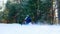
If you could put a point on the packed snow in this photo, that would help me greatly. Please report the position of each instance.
(29, 29)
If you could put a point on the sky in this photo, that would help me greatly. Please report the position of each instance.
(3, 0)
(29, 29)
(1, 4)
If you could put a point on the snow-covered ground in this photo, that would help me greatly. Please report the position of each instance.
(29, 29)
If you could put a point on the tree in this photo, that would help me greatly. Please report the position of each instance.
(58, 7)
(37, 9)
(45, 10)
(40, 9)
(13, 9)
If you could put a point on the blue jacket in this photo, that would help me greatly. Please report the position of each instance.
(28, 20)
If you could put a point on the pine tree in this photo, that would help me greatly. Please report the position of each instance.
(40, 9)
(37, 9)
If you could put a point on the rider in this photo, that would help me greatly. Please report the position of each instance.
(27, 19)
